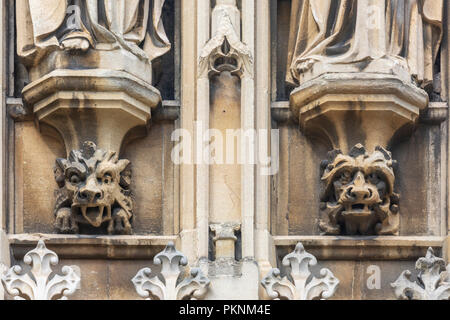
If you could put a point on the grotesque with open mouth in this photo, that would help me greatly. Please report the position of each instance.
(93, 190)
(358, 193)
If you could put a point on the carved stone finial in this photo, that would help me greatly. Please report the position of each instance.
(225, 238)
(165, 285)
(93, 189)
(37, 284)
(299, 285)
(225, 51)
(433, 281)
(358, 193)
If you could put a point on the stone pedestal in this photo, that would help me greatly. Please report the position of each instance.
(225, 239)
(345, 109)
(100, 102)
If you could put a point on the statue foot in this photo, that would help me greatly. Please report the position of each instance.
(77, 44)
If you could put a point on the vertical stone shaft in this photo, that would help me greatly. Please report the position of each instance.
(4, 244)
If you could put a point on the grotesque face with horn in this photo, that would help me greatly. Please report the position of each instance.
(358, 193)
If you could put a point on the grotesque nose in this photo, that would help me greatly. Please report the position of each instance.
(359, 190)
(90, 192)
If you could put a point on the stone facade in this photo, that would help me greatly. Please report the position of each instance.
(199, 149)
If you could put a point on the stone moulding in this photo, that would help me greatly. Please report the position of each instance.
(168, 285)
(358, 193)
(370, 248)
(433, 280)
(38, 283)
(300, 284)
(122, 247)
(111, 101)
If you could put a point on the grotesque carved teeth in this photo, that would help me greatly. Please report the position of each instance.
(358, 193)
(357, 210)
(94, 214)
(89, 181)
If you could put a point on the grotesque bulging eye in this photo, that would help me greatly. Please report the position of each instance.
(75, 174)
(107, 178)
(74, 179)
(373, 178)
(345, 177)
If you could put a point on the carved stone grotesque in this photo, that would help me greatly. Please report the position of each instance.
(358, 193)
(300, 283)
(40, 282)
(168, 286)
(433, 281)
(94, 189)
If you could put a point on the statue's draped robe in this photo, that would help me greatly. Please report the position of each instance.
(352, 31)
(107, 24)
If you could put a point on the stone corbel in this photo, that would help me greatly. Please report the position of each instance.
(433, 280)
(345, 109)
(40, 283)
(225, 239)
(300, 284)
(165, 286)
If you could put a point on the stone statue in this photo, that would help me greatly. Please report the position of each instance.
(404, 33)
(47, 25)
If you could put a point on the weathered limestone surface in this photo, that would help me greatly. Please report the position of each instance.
(360, 83)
